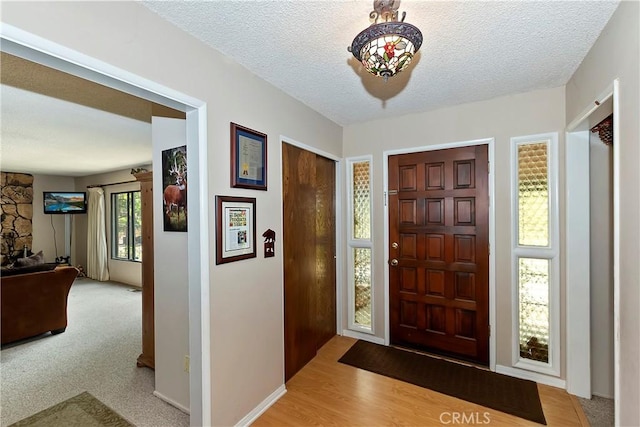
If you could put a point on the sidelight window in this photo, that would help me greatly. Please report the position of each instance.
(126, 226)
(535, 253)
(360, 293)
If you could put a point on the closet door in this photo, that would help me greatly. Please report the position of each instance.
(309, 255)
(325, 294)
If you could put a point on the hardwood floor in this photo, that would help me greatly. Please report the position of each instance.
(326, 392)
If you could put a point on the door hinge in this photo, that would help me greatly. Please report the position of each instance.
(489, 330)
(489, 168)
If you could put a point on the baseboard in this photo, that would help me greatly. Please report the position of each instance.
(362, 336)
(171, 402)
(604, 396)
(533, 376)
(263, 406)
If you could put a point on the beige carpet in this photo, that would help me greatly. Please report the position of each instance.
(599, 411)
(82, 410)
(97, 354)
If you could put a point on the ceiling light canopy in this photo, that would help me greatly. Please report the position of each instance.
(388, 45)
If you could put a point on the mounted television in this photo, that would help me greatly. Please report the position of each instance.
(65, 202)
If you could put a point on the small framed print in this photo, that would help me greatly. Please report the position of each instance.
(174, 184)
(235, 228)
(248, 158)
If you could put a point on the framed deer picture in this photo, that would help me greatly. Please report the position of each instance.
(248, 158)
(174, 188)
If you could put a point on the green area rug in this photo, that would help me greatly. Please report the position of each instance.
(83, 410)
(507, 394)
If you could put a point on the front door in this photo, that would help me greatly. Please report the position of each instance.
(439, 250)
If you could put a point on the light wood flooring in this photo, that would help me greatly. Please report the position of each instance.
(326, 393)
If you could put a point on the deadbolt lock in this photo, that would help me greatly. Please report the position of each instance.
(394, 245)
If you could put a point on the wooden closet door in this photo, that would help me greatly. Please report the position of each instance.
(325, 250)
(309, 255)
(299, 257)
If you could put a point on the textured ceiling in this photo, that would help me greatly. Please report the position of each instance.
(45, 135)
(57, 124)
(53, 123)
(472, 50)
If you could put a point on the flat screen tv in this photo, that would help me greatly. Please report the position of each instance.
(65, 202)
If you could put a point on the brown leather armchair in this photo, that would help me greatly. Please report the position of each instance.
(35, 303)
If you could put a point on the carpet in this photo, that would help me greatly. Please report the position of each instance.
(598, 410)
(504, 393)
(83, 410)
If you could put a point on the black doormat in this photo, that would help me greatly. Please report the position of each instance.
(504, 393)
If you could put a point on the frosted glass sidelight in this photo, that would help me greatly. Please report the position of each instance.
(533, 195)
(533, 292)
(361, 201)
(362, 281)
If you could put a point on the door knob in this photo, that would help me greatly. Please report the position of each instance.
(393, 262)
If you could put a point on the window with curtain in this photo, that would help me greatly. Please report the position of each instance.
(97, 252)
(126, 226)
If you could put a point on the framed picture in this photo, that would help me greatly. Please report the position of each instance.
(248, 158)
(174, 188)
(235, 228)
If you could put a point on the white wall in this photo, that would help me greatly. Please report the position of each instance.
(245, 297)
(45, 227)
(128, 272)
(500, 118)
(601, 267)
(171, 277)
(616, 54)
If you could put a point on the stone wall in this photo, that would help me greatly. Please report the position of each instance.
(16, 207)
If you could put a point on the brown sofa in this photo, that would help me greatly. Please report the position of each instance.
(35, 303)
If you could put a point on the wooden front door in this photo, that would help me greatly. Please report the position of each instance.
(309, 255)
(439, 251)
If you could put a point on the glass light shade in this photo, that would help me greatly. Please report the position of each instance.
(388, 48)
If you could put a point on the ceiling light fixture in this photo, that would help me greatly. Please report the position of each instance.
(388, 45)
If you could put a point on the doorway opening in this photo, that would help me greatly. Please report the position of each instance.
(593, 294)
(28, 46)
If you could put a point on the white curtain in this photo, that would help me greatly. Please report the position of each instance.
(97, 256)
